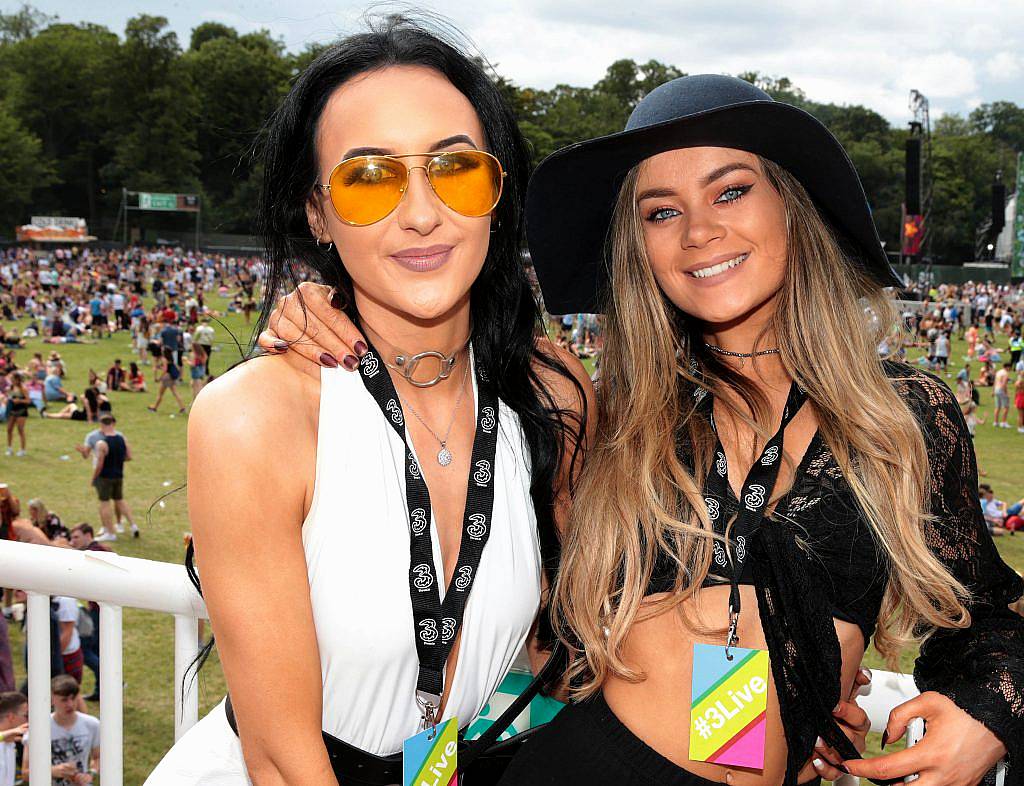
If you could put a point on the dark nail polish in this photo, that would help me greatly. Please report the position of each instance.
(350, 362)
(843, 768)
(280, 346)
(327, 359)
(359, 348)
(336, 300)
(885, 739)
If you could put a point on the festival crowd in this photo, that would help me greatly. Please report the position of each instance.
(158, 298)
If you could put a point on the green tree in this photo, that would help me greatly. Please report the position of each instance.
(238, 82)
(23, 169)
(209, 31)
(59, 84)
(23, 24)
(154, 137)
(1003, 120)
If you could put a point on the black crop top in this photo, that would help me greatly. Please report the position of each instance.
(821, 505)
(816, 558)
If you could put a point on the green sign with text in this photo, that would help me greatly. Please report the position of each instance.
(149, 201)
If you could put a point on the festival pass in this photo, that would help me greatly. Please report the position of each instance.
(729, 701)
(430, 758)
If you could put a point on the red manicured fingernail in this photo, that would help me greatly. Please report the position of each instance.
(885, 739)
(328, 360)
(350, 362)
(359, 348)
(280, 346)
(336, 301)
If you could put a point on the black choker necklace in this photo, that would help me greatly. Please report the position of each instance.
(741, 355)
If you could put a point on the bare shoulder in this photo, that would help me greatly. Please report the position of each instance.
(255, 403)
(563, 390)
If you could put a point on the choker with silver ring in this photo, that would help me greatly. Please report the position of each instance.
(406, 364)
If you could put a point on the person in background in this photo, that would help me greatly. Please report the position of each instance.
(1018, 400)
(53, 387)
(74, 737)
(198, 362)
(13, 726)
(169, 373)
(115, 376)
(17, 413)
(112, 452)
(942, 352)
(204, 336)
(171, 338)
(136, 381)
(83, 539)
(995, 510)
(46, 521)
(1001, 397)
(70, 641)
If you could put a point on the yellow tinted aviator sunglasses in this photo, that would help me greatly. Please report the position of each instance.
(366, 189)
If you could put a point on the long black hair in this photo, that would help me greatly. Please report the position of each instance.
(505, 315)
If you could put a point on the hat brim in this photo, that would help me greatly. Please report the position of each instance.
(572, 193)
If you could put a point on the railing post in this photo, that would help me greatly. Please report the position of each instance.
(111, 696)
(186, 648)
(37, 609)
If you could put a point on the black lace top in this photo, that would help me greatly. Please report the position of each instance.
(819, 560)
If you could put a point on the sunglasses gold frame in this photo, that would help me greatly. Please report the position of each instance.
(408, 175)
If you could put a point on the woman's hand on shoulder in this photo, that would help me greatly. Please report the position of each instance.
(321, 333)
(956, 749)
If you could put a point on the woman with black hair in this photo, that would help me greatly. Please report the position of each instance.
(394, 173)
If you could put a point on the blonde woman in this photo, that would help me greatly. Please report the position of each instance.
(759, 480)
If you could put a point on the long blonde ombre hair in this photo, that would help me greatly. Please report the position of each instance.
(635, 496)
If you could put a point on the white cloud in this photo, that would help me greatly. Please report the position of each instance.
(1004, 66)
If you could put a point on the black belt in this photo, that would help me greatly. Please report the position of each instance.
(482, 762)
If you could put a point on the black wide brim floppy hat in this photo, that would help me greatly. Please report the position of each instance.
(573, 192)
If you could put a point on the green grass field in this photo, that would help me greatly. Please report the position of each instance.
(158, 444)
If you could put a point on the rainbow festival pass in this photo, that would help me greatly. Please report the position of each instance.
(729, 700)
(430, 758)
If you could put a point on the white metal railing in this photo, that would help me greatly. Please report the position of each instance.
(116, 582)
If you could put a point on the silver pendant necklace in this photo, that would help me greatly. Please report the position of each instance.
(444, 455)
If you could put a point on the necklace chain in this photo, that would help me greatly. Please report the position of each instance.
(732, 354)
(444, 455)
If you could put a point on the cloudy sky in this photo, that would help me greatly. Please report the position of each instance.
(959, 53)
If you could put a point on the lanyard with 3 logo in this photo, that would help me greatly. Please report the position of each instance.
(754, 496)
(436, 622)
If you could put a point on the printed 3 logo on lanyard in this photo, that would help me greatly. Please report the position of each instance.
(430, 757)
(729, 689)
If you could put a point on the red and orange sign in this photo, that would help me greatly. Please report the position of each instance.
(54, 228)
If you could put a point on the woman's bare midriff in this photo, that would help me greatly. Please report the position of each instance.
(657, 709)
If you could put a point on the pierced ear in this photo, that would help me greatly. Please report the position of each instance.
(315, 219)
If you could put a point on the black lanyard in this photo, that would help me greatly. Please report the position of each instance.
(754, 495)
(435, 623)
